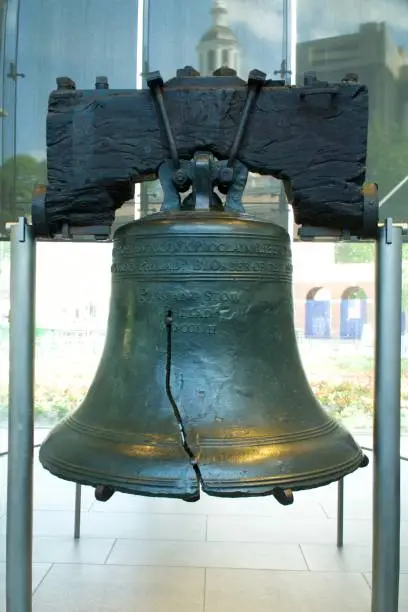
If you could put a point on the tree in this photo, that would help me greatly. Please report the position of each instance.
(18, 177)
(355, 252)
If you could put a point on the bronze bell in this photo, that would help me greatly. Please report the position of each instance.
(200, 384)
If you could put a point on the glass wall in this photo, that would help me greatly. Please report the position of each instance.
(42, 40)
(368, 38)
(334, 284)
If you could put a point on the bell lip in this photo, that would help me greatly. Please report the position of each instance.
(191, 216)
(189, 491)
(298, 482)
(193, 493)
(190, 488)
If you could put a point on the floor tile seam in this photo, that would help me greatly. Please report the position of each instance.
(42, 579)
(95, 538)
(110, 551)
(348, 572)
(86, 536)
(128, 513)
(205, 590)
(201, 541)
(227, 515)
(366, 581)
(233, 542)
(324, 511)
(277, 571)
(70, 537)
(304, 557)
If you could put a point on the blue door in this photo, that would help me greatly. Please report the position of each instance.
(317, 324)
(353, 317)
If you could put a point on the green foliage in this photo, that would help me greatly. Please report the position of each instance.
(51, 403)
(354, 252)
(345, 397)
(18, 177)
(360, 252)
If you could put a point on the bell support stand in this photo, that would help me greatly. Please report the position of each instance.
(387, 421)
(21, 411)
(386, 487)
(21, 416)
(386, 465)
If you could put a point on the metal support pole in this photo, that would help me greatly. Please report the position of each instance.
(340, 513)
(386, 502)
(77, 528)
(21, 408)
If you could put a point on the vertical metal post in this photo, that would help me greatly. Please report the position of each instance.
(21, 408)
(340, 513)
(77, 528)
(386, 502)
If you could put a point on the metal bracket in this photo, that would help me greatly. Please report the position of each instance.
(388, 230)
(22, 229)
(204, 173)
(256, 80)
(228, 176)
(97, 232)
(308, 233)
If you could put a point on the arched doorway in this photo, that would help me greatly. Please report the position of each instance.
(318, 313)
(353, 313)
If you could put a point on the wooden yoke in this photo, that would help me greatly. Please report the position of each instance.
(100, 142)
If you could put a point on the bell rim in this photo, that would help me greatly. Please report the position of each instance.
(155, 487)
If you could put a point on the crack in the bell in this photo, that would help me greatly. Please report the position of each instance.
(177, 413)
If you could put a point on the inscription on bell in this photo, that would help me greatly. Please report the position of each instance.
(166, 246)
(194, 328)
(143, 295)
(194, 264)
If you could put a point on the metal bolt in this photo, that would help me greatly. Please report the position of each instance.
(65, 83)
(101, 82)
(225, 71)
(154, 80)
(181, 180)
(226, 175)
(187, 71)
(309, 78)
(256, 78)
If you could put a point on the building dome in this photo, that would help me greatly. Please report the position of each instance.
(220, 33)
(218, 47)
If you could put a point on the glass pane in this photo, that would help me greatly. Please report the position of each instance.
(81, 39)
(334, 294)
(4, 370)
(367, 38)
(70, 323)
(4, 338)
(243, 34)
(9, 79)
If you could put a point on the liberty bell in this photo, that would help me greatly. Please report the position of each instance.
(200, 385)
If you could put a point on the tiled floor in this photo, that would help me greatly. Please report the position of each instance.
(145, 555)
